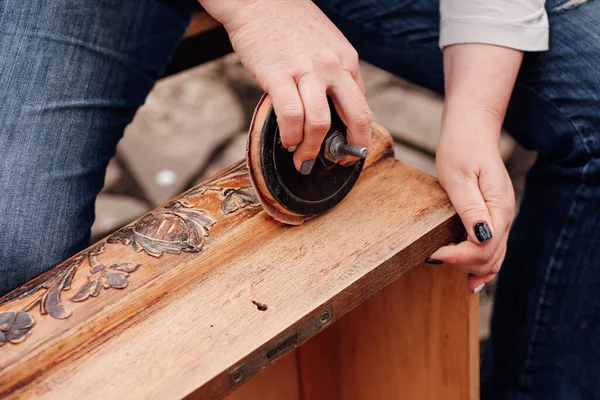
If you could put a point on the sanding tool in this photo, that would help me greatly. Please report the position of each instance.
(286, 194)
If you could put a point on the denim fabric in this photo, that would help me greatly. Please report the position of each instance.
(72, 75)
(545, 341)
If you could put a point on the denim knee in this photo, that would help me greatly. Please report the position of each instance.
(73, 76)
(39, 228)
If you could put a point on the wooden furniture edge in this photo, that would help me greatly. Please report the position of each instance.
(232, 187)
(383, 350)
(386, 350)
(447, 231)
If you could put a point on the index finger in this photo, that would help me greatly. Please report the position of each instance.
(352, 107)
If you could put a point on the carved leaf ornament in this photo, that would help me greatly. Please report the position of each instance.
(178, 227)
(237, 199)
(168, 231)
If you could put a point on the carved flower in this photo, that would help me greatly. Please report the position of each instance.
(14, 326)
(103, 277)
(171, 231)
(237, 199)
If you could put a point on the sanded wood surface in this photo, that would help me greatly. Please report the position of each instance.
(168, 305)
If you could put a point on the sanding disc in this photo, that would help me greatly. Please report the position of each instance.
(286, 194)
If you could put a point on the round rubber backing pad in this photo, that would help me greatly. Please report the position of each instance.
(286, 194)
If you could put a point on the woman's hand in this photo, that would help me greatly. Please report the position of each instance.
(479, 80)
(471, 171)
(299, 57)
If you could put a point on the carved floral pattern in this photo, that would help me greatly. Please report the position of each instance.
(234, 199)
(171, 230)
(14, 326)
(237, 199)
(103, 277)
(178, 227)
(51, 285)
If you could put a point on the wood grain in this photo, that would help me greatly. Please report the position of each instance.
(184, 322)
(277, 382)
(415, 339)
(319, 369)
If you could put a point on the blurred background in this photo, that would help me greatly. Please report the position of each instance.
(194, 124)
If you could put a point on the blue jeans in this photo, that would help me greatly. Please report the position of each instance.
(545, 341)
(72, 75)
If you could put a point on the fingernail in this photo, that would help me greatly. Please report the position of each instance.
(482, 231)
(433, 261)
(307, 167)
(351, 163)
(293, 148)
(478, 288)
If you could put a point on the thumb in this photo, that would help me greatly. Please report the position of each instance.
(468, 202)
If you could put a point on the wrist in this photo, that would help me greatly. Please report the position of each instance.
(227, 12)
(465, 118)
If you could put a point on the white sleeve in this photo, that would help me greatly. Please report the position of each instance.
(518, 24)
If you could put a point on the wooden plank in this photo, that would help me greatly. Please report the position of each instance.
(187, 321)
(385, 349)
(379, 350)
(201, 22)
(277, 382)
(319, 369)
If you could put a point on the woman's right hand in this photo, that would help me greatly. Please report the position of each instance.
(299, 57)
(473, 175)
(479, 79)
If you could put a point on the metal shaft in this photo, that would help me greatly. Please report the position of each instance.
(353, 150)
(336, 148)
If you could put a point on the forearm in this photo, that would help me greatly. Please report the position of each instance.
(483, 43)
(479, 80)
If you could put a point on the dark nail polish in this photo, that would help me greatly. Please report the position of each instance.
(348, 165)
(307, 167)
(433, 261)
(482, 231)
